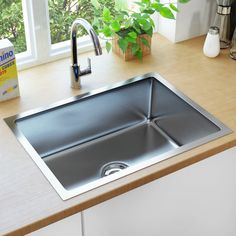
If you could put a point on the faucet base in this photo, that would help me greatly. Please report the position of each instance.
(74, 82)
(75, 85)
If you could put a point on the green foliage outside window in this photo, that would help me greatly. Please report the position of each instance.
(11, 23)
(61, 12)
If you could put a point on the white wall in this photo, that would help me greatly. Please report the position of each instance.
(193, 19)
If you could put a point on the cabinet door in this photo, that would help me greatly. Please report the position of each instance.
(199, 200)
(70, 226)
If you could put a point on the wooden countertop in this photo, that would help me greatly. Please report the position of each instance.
(27, 200)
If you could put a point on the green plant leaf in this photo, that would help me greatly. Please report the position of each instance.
(108, 46)
(124, 13)
(184, 1)
(173, 7)
(107, 31)
(157, 6)
(145, 42)
(167, 13)
(134, 48)
(149, 32)
(128, 23)
(106, 15)
(130, 40)
(146, 16)
(123, 44)
(146, 1)
(149, 11)
(115, 25)
(152, 22)
(132, 34)
(137, 28)
(145, 25)
(139, 54)
(136, 15)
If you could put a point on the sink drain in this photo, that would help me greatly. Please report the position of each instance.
(113, 167)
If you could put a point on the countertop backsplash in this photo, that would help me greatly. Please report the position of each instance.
(193, 20)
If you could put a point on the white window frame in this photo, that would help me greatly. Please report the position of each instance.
(38, 38)
(29, 55)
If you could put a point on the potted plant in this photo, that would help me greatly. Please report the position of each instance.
(131, 30)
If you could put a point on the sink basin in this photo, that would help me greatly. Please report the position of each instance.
(89, 140)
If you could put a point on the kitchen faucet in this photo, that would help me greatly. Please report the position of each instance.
(76, 72)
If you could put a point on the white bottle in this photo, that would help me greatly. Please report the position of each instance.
(211, 46)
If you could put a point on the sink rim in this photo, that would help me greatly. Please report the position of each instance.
(154, 159)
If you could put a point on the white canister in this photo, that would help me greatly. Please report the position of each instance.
(211, 46)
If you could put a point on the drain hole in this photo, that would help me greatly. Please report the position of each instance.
(113, 167)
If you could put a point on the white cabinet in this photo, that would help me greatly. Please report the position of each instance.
(199, 200)
(70, 226)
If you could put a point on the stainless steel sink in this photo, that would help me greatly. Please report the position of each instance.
(89, 140)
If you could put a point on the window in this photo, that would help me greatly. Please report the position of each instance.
(12, 24)
(40, 29)
(63, 13)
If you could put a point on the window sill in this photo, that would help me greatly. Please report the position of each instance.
(58, 51)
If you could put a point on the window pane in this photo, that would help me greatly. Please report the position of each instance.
(62, 13)
(12, 23)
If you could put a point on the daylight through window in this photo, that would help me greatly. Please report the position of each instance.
(12, 24)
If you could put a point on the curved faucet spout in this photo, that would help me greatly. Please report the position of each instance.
(76, 72)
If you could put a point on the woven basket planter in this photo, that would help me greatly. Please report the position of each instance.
(127, 56)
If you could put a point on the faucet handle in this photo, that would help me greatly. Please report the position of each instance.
(76, 72)
(88, 70)
(89, 63)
